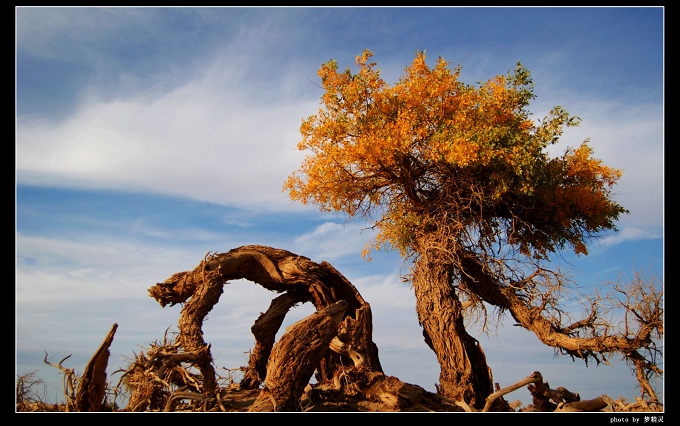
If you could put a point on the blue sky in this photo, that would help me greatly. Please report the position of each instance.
(147, 137)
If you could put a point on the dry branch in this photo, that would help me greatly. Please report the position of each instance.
(535, 377)
(595, 404)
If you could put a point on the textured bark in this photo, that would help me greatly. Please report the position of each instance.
(546, 399)
(294, 359)
(464, 374)
(92, 389)
(335, 342)
(264, 330)
(300, 279)
(191, 328)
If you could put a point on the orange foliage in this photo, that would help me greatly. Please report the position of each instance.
(431, 143)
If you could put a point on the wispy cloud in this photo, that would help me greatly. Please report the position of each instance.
(192, 142)
(330, 241)
(632, 234)
(51, 269)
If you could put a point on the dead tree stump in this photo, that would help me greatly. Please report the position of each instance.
(92, 389)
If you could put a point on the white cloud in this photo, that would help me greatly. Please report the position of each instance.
(51, 270)
(630, 138)
(223, 129)
(331, 241)
(631, 234)
(206, 140)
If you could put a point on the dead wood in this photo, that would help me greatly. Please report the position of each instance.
(264, 330)
(178, 396)
(399, 396)
(159, 375)
(566, 395)
(277, 270)
(92, 389)
(190, 326)
(561, 399)
(535, 377)
(334, 344)
(359, 389)
(595, 404)
(70, 381)
(295, 356)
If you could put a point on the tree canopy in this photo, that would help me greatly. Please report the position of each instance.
(432, 150)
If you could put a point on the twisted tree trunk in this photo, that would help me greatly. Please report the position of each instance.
(464, 375)
(283, 272)
(264, 330)
(295, 356)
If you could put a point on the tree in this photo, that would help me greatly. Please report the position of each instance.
(458, 179)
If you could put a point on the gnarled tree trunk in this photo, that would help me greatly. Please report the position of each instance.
(264, 330)
(464, 374)
(284, 272)
(295, 356)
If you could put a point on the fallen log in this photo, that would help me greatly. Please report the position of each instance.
(595, 404)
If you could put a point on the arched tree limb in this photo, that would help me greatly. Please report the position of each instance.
(280, 271)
